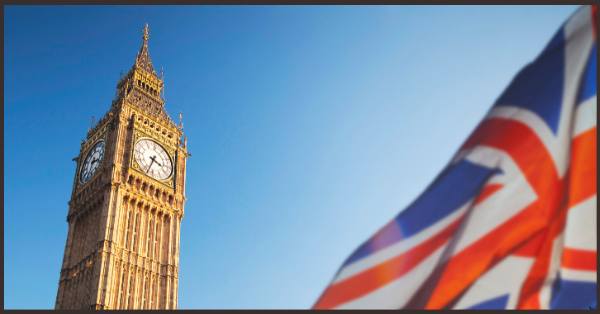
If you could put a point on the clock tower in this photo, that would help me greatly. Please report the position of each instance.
(125, 212)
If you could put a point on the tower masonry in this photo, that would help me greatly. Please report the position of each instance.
(122, 249)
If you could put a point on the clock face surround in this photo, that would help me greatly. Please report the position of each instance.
(153, 159)
(92, 162)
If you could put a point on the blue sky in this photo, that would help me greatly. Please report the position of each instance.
(310, 128)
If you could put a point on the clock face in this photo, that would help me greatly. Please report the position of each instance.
(153, 159)
(92, 162)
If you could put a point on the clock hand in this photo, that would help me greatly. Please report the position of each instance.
(150, 165)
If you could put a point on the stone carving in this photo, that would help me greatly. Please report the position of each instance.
(100, 224)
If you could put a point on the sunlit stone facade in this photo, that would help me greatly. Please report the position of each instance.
(125, 212)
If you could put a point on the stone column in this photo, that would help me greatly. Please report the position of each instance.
(168, 292)
(170, 239)
(157, 293)
(178, 240)
(65, 266)
(150, 290)
(101, 272)
(137, 290)
(161, 242)
(143, 224)
(175, 288)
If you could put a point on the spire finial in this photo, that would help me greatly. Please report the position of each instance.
(91, 120)
(146, 32)
(180, 116)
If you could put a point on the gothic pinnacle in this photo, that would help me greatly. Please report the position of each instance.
(146, 32)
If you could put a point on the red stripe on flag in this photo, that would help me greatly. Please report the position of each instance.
(536, 164)
(582, 185)
(532, 247)
(384, 273)
(487, 192)
(579, 259)
(583, 182)
(529, 297)
(594, 18)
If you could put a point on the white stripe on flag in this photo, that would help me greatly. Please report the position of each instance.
(395, 294)
(534, 122)
(578, 275)
(546, 290)
(579, 39)
(585, 116)
(499, 207)
(400, 247)
(506, 277)
(581, 228)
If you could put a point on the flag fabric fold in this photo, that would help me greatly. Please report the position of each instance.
(511, 221)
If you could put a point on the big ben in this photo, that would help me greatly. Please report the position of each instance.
(122, 248)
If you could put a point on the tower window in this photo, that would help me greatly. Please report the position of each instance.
(144, 292)
(134, 232)
(127, 230)
(129, 292)
(152, 294)
(156, 242)
(150, 233)
(120, 299)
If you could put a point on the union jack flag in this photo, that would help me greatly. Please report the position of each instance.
(511, 221)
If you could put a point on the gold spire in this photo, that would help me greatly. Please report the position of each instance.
(142, 60)
(146, 32)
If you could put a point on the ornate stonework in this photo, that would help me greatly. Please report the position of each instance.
(122, 249)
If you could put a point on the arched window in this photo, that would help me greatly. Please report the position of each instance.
(155, 239)
(130, 284)
(153, 294)
(120, 299)
(145, 288)
(127, 230)
(150, 225)
(134, 233)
